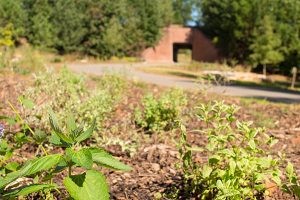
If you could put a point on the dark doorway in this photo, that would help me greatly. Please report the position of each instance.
(183, 49)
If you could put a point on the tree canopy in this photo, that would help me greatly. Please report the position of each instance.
(102, 28)
(255, 31)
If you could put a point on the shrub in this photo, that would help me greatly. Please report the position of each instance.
(235, 164)
(160, 113)
(66, 92)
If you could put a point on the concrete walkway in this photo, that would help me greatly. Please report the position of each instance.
(132, 72)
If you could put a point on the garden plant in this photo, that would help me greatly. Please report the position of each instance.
(39, 173)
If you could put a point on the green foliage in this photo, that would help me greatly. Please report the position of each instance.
(236, 166)
(266, 45)
(66, 92)
(160, 113)
(90, 184)
(103, 28)
(183, 11)
(6, 36)
(245, 27)
(12, 12)
(40, 31)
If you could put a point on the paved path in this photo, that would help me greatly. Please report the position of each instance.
(131, 71)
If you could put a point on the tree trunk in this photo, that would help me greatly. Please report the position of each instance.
(265, 70)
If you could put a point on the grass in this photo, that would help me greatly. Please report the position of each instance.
(273, 81)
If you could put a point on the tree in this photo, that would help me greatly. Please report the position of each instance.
(68, 21)
(266, 45)
(230, 23)
(182, 10)
(12, 12)
(41, 31)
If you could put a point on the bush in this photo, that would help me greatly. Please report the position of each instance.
(162, 113)
(66, 92)
(236, 166)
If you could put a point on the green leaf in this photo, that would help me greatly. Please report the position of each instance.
(289, 169)
(220, 185)
(214, 159)
(88, 133)
(252, 144)
(40, 164)
(12, 166)
(71, 124)
(232, 166)
(55, 139)
(39, 136)
(27, 103)
(10, 177)
(83, 158)
(87, 186)
(28, 189)
(206, 171)
(105, 159)
(64, 139)
(296, 190)
(31, 167)
(53, 122)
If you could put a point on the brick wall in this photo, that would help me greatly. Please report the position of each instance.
(202, 47)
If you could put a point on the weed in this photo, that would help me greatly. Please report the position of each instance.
(66, 92)
(162, 113)
(235, 166)
(90, 184)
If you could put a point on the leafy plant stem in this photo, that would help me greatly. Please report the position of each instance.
(70, 170)
(20, 118)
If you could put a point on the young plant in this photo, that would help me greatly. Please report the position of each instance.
(160, 114)
(235, 164)
(89, 185)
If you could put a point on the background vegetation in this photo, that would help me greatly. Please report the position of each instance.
(100, 28)
(255, 31)
(252, 32)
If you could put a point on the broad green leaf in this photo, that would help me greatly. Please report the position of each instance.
(296, 190)
(10, 178)
(88, 133)
(105, 159)
(53, 122)
(64, 138)
(214, 159)
(206, 171)
(31, 167)
(289, 169)
(39, 136)
(55, 139)
(71, 124)
(28, 189)
(87, 186)
(40, 164)
(12, 166)
(252, 144)
(220, 185)
(232, 166)
(61, 165)
(27, 103)
(83, 158)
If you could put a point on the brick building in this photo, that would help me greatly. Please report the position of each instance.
(178, 37)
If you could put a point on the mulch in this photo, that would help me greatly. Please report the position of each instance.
(154, 162)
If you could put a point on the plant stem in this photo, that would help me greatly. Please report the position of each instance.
(70, 170)
(20, 118)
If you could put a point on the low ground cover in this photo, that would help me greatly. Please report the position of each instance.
(154, 158)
